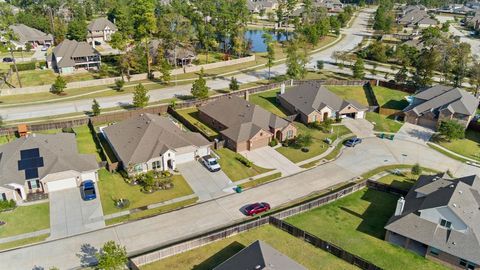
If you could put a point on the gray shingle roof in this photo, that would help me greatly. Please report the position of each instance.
(29, 34)
(146, 136)
(461, 196)
(59, 153)
(441, 97)
(70, 49)
(242, 118)
(259, 256)
(309, 97)
(100, 24)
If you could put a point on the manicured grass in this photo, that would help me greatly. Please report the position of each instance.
(268, 101)
(337, 149)
(191, 115)
(151, 212)
(383, 123)
(393, 167)
(319, 146)
(403, 181)
(356, 93)
(17, 55)
(390, 98)
(234, 169)
(210, 256)
(448, 154)
(261, 180)
(6, 139)
(47, 77)
(112, 186)
(24, 242)
(25, 219)
(356, 224)
(85, 142)
(468, 147)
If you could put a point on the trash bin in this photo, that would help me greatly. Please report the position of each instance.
(238, 189)
(382, 135)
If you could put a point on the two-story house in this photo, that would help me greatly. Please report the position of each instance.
(100, 30)
(440, 218)
(71, 55)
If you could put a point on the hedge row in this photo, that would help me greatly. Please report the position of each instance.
(7, 205)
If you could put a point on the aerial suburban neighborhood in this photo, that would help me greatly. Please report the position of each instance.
(239, 134)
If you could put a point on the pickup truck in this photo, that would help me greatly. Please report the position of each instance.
(211, 163)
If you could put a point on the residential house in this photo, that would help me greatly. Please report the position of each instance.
(243, 125)
(42, 164)
(330, 5)
(152, 142)
(100, 30)
(416, 16)
(71, 55)
(183, 55)
(441, 102)
(259, 256)
(474, 21)
(439, 218)
(257, 6)
(26, 34)
(315, 103)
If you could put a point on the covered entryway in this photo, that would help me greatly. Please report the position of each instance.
(61, 184)
(170, 164)
(278, 135)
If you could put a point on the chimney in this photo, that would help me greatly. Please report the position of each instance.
(246, 95)
(400, 206)
(282, 89)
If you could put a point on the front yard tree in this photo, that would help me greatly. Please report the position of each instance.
(140, 96)
(112, 256)
(144, 24)
(320, 65)
(296, 60)
(199, 87)
(119, 83)
(304, 140)
(451, 130)
(234, 84)
(95, 108)
(416, 169)
(268, 39)
(359, 69)
(59, 85)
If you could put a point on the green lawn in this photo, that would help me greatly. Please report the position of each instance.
(356, 224)
(389, 98)
(234, 169)
(23, 242)
(262, 180)
(25, 219)
(383, 123)
(47, 77)
(295, 154)
(268, 101)
(210, 256)
(468, 147)
(191, 115)
(356, 93)
(403, 181)
(85, 142)
(112, 186)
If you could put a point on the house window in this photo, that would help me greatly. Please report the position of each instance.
(434, 251)
(156, 165)
(3, 197)
(445, 223)
(314, 118)
(289, 134)
(33, 184)
(466, 264)
(138, 168)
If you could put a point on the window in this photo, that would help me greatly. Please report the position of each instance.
(445, 223)
(314, 119)
(156, 165)
(33, 184)
(3, 197)
(138, 168)
(466, 264)
(289, 134)
(434, 251)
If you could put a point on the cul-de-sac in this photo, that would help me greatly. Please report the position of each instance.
(239, 134)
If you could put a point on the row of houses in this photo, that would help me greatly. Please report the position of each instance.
(265, 6)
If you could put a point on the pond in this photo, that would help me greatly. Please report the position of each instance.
(258, 45)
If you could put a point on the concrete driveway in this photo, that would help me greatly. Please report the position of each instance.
(70, 214)
(206, 185)
(269, 158)
(414, 133)
(360, 127)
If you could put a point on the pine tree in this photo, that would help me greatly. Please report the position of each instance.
(95, 108)
(199, 87)
(140, 96)
(234, 84)
(59, 85)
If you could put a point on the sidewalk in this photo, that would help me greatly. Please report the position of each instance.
(243, 181)
(326, 153)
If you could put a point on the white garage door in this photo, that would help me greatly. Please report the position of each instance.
(203, 151)
(186, 157)
(61, 184)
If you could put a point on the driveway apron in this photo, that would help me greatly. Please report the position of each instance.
(269, 158)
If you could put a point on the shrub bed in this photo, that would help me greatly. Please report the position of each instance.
(244, 160)
(7, 205)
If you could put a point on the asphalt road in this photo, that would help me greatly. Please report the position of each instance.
(146, 234)
(353, 36)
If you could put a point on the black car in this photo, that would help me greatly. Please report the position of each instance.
(353, 141)
(7, 60)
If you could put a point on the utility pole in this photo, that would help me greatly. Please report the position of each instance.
(52, 25)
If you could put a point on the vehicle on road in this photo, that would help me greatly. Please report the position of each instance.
(257, 208)
(88, 190)
(7, 60)
(211, 163)
(353, 142)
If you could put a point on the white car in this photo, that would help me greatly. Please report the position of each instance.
(211, 163)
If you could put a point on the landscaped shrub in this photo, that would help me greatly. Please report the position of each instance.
(273, 142)
(7, 205)
(42, 65)
(24, 66)
(244, 160)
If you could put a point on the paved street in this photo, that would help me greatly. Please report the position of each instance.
(269, 158)
(353, 36)
(70, 215)
(145, 234)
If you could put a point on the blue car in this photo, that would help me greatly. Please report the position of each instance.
(352, 142)
(88, 190)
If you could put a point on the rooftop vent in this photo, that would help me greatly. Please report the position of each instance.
(452, 186)
(454, 205)
(460, 191)
(258, 267)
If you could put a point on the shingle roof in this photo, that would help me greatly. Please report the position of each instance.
(69, 49)
(59, 153)
(242, 118)
(146, 136)
(29, 34)
(100, 24)
(259, 256)
(441, 97)
(309, 97)
(461, 196)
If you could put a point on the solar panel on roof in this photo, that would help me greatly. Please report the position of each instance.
(29, 153)
(31, 173)
(30, 161)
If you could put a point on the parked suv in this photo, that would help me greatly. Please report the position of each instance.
(88, 190)
(211, 163)
(353, 141)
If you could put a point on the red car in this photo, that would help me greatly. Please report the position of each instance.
(257, 208)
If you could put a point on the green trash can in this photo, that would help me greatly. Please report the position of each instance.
(382, 135)
(238, 189)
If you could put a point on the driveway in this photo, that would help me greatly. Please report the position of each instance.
(269, 158)
(70, 214)
(360, 127)
(206, 185)
(414, 133)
